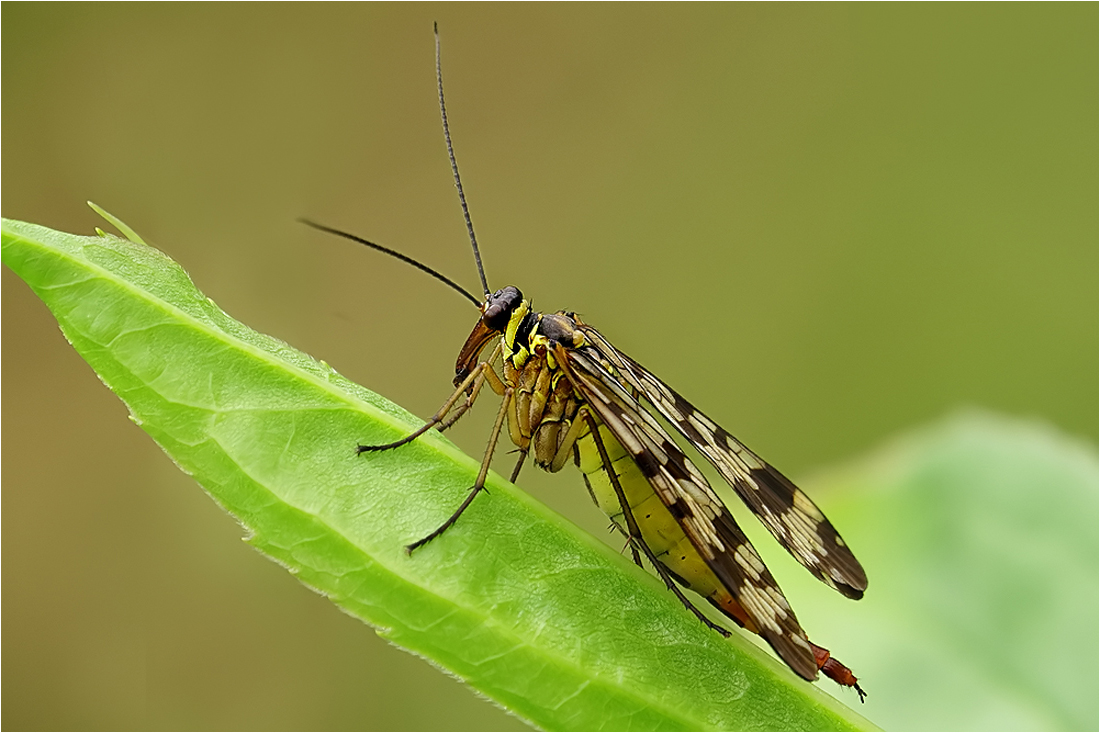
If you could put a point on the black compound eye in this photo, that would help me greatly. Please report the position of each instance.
(501, 305)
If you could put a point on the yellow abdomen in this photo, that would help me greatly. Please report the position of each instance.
(660, 530)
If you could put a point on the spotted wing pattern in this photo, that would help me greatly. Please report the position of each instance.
(702, 515)
(787, 512)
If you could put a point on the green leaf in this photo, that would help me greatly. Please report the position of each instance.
(535, 614)
(118, 224)
(980, 536)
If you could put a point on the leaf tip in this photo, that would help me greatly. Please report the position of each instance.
(117, 224)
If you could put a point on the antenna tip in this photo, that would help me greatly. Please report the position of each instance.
(314, 225)
(435, 27)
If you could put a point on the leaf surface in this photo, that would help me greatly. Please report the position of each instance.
(535, 614)
(979, 533)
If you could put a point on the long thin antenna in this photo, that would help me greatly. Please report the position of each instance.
(454, 164)
(404, 258)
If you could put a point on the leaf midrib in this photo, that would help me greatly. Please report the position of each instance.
(437, 443)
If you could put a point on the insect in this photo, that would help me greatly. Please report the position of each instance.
(569, 395)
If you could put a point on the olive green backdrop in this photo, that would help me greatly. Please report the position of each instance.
(824, 223)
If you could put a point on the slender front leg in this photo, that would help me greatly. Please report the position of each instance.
(488, 375)
(473, 381)
(481, 475)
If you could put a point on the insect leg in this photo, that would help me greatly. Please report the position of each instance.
(636, 534)
(565, 449)
(481, 371)
(479, 484)
(488, 375)
(519, 464)
(568, 448)
(472, 383)
(633, 550)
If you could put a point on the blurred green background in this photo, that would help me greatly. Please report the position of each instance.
(825, 224)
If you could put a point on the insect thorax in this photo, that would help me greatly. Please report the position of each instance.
(544, 418)
(545, 405)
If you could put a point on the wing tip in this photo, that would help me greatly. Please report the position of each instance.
(850, 592)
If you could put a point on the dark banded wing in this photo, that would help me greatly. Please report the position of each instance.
(701, 514)
(787, 512)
